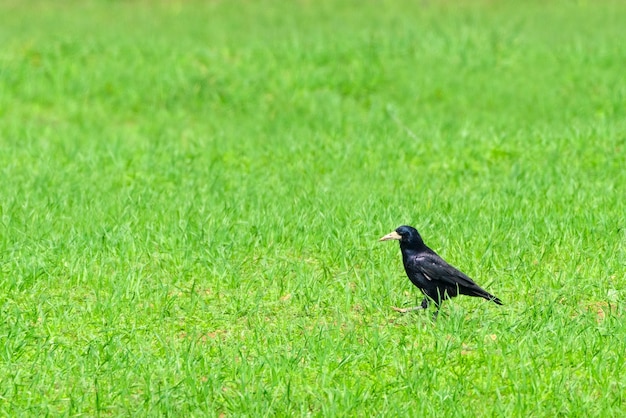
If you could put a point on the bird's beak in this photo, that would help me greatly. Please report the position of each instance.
(392, 235)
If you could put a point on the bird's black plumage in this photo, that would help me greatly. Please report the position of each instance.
(437, 279)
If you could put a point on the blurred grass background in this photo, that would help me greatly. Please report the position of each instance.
(192, 192)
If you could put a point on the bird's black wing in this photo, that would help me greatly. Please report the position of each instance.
(436, 277)
(435, 268)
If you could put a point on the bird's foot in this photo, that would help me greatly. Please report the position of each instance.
(435, 315)
(405, 310)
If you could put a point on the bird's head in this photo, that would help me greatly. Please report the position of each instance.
(407, 235)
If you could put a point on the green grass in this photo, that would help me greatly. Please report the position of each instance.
(191, 196)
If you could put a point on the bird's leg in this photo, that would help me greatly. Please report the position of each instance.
(436, 314)
(423, 305)
(405, 310)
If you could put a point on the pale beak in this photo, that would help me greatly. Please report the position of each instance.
(392, 235)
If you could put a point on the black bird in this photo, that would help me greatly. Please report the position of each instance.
(436, 279)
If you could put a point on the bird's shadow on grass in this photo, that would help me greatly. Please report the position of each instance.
(450, 317)
(414, 318)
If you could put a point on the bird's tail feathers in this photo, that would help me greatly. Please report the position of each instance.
(492, 298)
(486, 295)
(481, 293)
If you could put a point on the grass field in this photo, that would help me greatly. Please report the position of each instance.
(191, 195)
